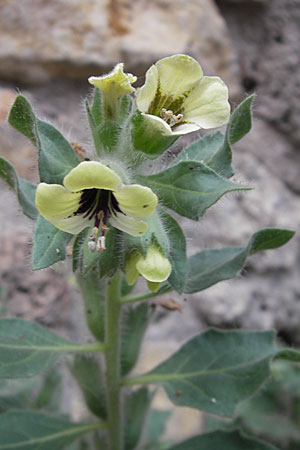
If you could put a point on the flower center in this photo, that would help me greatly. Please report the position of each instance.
(97, 204)
(168, 116)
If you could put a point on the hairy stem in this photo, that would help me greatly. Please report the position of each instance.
(112, 354)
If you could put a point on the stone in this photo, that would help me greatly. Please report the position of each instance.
(75, 39)
(266, 37)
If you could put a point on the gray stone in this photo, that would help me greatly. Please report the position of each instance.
(72, 38)
(266, 37)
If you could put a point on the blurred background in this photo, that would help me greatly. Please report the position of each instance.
(47, 51)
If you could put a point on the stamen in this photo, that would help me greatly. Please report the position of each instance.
(168, 116)
(99, 204)
(101, 244)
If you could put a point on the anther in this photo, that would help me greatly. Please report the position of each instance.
(168, 116)
(101, 244)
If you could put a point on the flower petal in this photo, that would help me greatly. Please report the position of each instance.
(92, 174)
(157, 125)
(136, 200)
(145, 95)
(153, 285)
(207, 105)
(178, 74)
(58, 205)
(155, 267)
(128, 224)
(116, 82)
(185, 128)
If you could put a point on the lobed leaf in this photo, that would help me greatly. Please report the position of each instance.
(30, 430)
(189, 188)
(49, 244)
(56, 156)
(24, 189)
(209, 267)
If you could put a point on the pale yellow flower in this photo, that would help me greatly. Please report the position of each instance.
(177, 99)
(93, 194)
(154, 267)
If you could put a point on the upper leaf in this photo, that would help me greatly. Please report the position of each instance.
(49, 244)
(189, 187)
(211, 266)
(24, 189)
(56, 156)
(222, 440)
(239, 125)
(177, 253)
(202, 150)
(30, 430)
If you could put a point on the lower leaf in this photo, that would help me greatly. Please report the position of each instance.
(29, 430)
(222, 440)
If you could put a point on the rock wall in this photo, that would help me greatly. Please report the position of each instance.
(49, 48)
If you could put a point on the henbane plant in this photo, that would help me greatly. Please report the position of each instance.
(118, 217)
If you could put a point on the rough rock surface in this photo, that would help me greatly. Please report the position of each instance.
(266, 36)
(91, 36)
(82, 38)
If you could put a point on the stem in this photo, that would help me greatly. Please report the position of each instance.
(112, 354)
(145, 295)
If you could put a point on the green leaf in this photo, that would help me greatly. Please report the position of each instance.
(29, 430)
(49, 396)
(87, 372)
(202, 150)
(209, 267)
(137, 404)
(93, 292)
(177, 253)
(218, 440)
(215, 370)
(269, 238)
(49, 244)
(27, 349)
(240, 122)
(238, 126)
(155, 426)
(189, 188)
(25, 191)
(146, 140)
(274, 412)
(134, 325)
(56, 156)
(106, 262)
